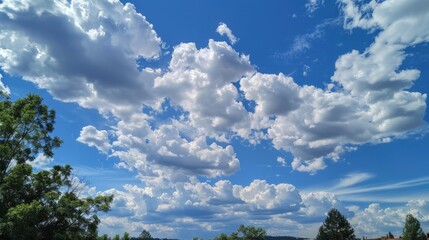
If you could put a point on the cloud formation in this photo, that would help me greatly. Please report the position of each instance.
(173, 127)
(92, 57)
(224, 30)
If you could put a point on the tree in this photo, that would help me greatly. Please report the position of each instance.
(390, 235)
(25, 126)
(116, 237)
(145, 235)
(244, 233)
(412, 229)
(126, 236)
(46, 204)
(335, 227)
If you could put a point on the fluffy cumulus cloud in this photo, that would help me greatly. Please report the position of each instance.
(92, 60)
(195, 204)
(82, 51)
(372, 102)
(377, 221)
(94, 138)
(200, 81)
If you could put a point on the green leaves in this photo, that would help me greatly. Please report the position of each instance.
(25, 128)
(46, 204)
(244, 233)
(412, 229)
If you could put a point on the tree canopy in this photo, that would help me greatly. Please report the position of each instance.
(412, 229)
(46, 204)
(25, 127)
(244, 233)
(335, 227)
(145, 235)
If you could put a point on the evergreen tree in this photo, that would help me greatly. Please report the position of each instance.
(145, 235)
(335, 227)
(244, 233)
(126, 236)
(412, 229)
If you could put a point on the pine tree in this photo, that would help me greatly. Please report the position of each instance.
(412, 229)
(335, 227)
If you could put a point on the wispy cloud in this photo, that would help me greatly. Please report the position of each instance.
(353, 179)
(384, 187)
(303, 43)
(313, 5)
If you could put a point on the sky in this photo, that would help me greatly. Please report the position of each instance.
(200, 116)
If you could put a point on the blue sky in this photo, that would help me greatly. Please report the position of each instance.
(200, 116)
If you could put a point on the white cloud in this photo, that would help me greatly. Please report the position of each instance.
(223, 29)
(282, 161)
(200, 81)
(264, 196)
(313, 5)
(154, 152)
(95, 138)
(273, 94)
(353, 179)
(82, 51)
(372, 102)
(4, 88)
(41, 161)
(304, 42)
(377, 221)
(317, 205)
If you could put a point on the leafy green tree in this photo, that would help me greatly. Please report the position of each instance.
(126, 236)
(103, 237)
(46, 204)
(335, 227)
(244, 233)
(223, 236)
(25, 126)
(412, 229)
(145, 235)
(116, 237)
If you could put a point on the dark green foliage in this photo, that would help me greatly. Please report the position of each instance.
(244, 233)
(283, 238)
(126, 236)
(412, 229)
(46, 204)
(335, 227)
(25, 126)
(145, 235)
(390, 235)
